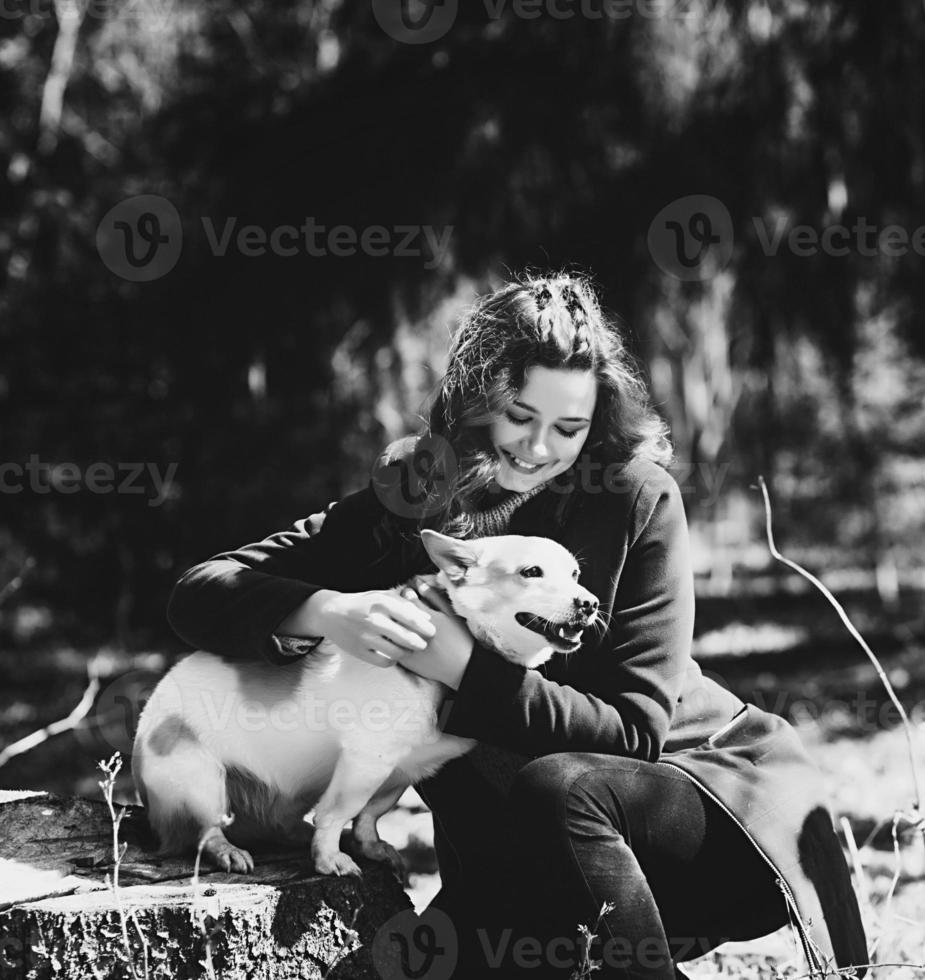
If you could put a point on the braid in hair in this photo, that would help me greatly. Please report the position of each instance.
(578, 313)
(542, 295)
(572, 300)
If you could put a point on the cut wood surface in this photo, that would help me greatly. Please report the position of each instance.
(59, 917)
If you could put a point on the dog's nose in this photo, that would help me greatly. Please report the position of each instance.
(587, 607)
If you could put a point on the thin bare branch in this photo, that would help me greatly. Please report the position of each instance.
(70, 15)
(859, 875)
(57, 727)
(916, 805)
(197, 911)
(107, 785)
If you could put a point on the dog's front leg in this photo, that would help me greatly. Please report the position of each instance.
(356, 778)
(366, 836)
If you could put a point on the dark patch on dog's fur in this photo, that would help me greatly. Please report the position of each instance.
(261, 814)
(261, 811)
(170, 732)
(176, 832)
(249, 797)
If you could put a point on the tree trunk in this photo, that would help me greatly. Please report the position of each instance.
(59, 917)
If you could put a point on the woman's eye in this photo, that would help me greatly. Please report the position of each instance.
(519, 420)
(534, 571)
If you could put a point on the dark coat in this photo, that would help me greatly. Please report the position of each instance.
(635, 691)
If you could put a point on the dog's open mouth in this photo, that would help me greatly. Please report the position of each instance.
(565, 637)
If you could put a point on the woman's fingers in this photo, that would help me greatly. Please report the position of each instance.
(395, 633)
(411, 596)
(407, 614)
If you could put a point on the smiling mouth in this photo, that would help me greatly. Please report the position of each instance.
(521, 465)
(565, 637)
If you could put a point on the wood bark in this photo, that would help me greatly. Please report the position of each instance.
(59, 918)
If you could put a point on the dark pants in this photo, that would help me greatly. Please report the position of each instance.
(524, 866)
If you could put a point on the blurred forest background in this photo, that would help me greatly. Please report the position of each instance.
(271, 382)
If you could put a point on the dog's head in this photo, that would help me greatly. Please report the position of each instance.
(519, 595)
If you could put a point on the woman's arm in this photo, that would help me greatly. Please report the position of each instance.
(235, 602)
(629, 690)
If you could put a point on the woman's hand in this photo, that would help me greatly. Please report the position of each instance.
(447, 654)
(377, 627)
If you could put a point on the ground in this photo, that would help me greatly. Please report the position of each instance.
(782, 649)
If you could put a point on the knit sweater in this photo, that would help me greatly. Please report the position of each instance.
(494, 520)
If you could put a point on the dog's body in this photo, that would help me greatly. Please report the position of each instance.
(340, 736)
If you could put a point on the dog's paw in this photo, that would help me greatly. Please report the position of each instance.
(381, 851)
(336, 863)
(226, 857)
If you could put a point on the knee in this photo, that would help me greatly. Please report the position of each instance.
(573, 794)
(544, 783)
(562, 792)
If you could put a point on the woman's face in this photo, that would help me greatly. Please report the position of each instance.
(542, 432)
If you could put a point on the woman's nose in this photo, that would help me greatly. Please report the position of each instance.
(537, 442)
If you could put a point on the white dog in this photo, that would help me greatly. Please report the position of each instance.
(267, 744)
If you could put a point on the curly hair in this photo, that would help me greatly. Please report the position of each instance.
(554, 321)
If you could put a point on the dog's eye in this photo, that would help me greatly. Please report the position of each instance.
(575, 574)
(534, 571)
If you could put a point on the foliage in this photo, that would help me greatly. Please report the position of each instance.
(534, 141)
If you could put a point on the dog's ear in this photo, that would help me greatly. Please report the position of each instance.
(449, 554)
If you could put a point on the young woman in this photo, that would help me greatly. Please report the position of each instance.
(619, 774)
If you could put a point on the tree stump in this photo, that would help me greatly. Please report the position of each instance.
(59, 918)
